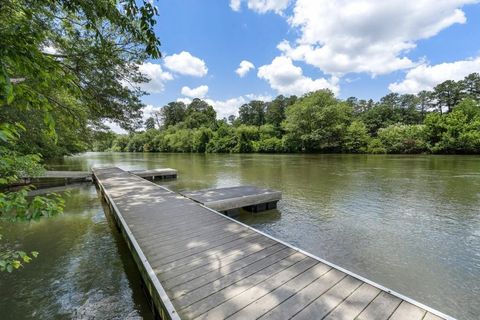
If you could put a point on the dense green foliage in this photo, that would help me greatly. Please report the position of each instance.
(445, 120)
(66, 66)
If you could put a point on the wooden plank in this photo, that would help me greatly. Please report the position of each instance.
(324, 304)
(224, 267)
(431, 316)
(301, 299)
(408, 311)
(355, 303)
(265, 297)
(205, 258)
(163, 264)
(224, 258)
(229, 307)
(203, 286)
(231, 286)
(381, 307)
(180, 233)
(190, 247)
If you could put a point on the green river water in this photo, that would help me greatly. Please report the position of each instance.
(410, 223)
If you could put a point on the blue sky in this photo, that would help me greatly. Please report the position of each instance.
(362, 48)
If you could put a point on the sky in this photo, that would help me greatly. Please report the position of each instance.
(229, 52)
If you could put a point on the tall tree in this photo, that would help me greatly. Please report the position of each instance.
(150, 123)
(252, 113)
(447, 94)
(173, 113)
(275, 110)
(317, 122)
(200, 114)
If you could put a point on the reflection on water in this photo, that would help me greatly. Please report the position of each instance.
(411, 223)
(84, 270)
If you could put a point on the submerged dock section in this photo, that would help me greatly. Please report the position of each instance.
(230, 200)
(200, 264)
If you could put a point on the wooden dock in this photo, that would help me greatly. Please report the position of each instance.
(153, 174)
(200, 264)
(230, 200)
(55, 178)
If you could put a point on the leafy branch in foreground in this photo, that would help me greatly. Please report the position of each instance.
(16, 206)
(65, 67)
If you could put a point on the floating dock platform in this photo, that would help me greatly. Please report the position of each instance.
(230, 200)
(200, 264)
(152, 174)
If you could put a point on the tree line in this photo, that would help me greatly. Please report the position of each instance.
(445, 120)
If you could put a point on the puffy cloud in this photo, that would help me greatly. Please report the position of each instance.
(425, 77)
(184, 100)
(235, 5)
(186, 64)
(261, 6)
(225, 108)
(244, 67)
(341, 36)
(198, 92)
(288, 79)
(157, 77)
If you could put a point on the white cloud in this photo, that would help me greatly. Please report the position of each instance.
(186, 64)
(425, 77)
(114, 127)
(184, 100)
(261, 6)
(288, 79)
(225, 108)
(148, 111)
(235, 5)
(157, 77)
(244, 67)
(342, 36)
(198, 92)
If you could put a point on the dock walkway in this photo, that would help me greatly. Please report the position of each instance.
(200, 264)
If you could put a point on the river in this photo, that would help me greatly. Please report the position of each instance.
(410, 223)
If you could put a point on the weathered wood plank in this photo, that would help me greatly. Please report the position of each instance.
(355, 303)
(207, 265)
(231, 286)
(203, 286)
(325, 303)
(381, 307)
(265, 297)
(173, 262)
(225, 267)
(301, 299)
(408, 311)
(233, 305)
(431, 316)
